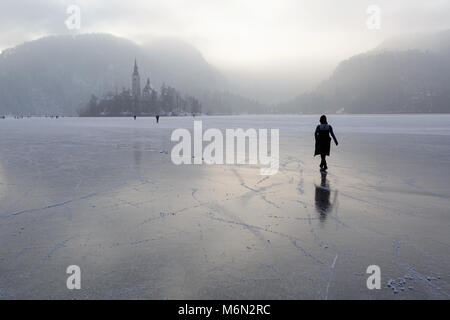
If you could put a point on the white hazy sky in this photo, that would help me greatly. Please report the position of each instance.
(233, 34)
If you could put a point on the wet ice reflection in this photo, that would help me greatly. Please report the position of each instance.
(323, 201)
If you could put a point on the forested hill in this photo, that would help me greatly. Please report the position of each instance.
(400, 76)
(58, 74)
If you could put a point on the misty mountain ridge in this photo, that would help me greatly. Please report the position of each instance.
(58, 74)
(403, 75)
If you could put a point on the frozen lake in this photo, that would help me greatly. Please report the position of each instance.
(103, 194)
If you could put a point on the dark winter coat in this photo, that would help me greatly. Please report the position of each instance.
(322, 135)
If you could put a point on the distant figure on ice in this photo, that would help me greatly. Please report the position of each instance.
(134, 117)
(323, 140)
(157, 118)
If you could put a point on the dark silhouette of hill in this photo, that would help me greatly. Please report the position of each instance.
(403, 75)
(58, 74)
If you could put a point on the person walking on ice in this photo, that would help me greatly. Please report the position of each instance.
(323, 141)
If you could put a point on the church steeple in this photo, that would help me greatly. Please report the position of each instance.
(135, 67)
(136, 81)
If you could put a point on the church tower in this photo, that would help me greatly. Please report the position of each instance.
(136, 82)
(146, 92)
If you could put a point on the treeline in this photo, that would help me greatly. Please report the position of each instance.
(167, 102)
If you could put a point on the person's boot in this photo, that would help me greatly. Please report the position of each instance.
(322, 164)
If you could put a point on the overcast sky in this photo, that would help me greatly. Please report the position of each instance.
(233, 34)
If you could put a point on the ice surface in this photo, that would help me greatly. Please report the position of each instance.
(102, 193)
